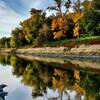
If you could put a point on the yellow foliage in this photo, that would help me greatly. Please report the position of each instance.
(54, 24)
(76, 31)
(77, 16)
(77, 74)
(78, 88)
(13, 60)
(61, 85)
(58, 84)
(54, 83)
(58, 23)
(58, 72)
(58, 35)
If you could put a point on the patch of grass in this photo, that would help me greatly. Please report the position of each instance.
(81, 40)
(90, 38)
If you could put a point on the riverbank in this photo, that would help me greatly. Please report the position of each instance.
(82, 51)
(82, 61)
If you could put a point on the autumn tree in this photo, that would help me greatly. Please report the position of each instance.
(66, 24)
(59, 24)
(59, 27)
(77, 15)
(32, 25)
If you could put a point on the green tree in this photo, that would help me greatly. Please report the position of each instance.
(17, 38)
(31, 26)
(3, 42)
(44, 34)
(96, 4)
(90, 23)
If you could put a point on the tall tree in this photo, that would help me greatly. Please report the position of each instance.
(17, 38)
(59, 22)
(90, 23)
(31, 26)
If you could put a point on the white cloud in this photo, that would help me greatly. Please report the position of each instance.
(39, 4)
(9, 19)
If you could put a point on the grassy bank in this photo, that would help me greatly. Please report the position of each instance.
(80, 46)
(92, 40)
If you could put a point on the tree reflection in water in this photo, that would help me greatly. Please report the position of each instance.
(55, 81)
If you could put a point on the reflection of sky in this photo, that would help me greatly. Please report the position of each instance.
(55, 93)
(66, 94)
(16, 91)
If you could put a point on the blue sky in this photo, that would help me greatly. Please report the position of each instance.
(14, 11)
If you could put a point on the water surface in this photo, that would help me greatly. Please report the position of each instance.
(39, 80)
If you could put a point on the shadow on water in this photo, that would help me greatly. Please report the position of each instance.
(56, 81)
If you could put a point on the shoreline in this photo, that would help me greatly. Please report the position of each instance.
(91, 52)
(70, 56)
(83, 58)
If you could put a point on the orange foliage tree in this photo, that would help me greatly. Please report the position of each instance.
(59, 22)
(58, 26)
(78, 14)
(76, 17)
(77, 86)
(62, 76)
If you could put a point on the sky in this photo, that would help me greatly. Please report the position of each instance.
(14, 11)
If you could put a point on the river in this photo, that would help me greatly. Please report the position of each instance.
(49, 80)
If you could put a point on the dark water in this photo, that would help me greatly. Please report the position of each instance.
(38, 80)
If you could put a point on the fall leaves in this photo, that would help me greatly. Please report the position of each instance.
(77, 86)
(59, 25)
(76, 31)
(61, 80)
(76, 17)
(58, 83)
